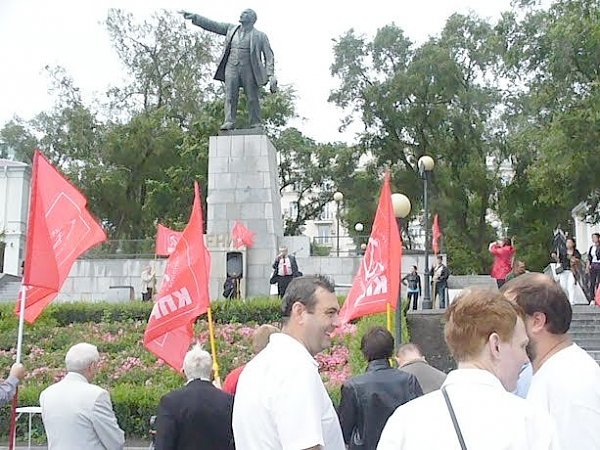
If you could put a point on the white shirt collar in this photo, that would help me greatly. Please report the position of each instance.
(289, 343)
(473, 376)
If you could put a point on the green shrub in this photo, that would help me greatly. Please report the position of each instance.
(256, 310)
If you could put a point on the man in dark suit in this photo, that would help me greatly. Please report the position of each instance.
(247, 61)
(368, 400)
(197, 415)
(285, 269)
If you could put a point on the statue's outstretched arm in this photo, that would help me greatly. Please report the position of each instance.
(207, 24)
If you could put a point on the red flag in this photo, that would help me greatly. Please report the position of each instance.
(166, 240)
(183, 294)
(377, 282)
(60, 229)
(240, 235)
(437, 234)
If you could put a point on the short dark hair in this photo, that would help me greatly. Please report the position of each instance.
(302, 289)
(414, 267)
(535, 292)
(596, 234)
(572, 239)
(377, 343)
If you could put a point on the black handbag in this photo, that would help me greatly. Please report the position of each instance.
(273, 279)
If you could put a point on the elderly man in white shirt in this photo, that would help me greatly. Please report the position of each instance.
(566, 380)
(474, 410)
(78, 415)
(281, 402)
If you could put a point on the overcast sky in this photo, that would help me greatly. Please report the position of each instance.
(36, 33)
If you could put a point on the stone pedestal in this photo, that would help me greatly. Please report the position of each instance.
(243, 185)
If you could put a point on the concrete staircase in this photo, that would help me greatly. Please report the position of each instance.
(9, 288)
(585, 329)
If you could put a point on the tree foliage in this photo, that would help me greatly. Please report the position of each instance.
(313, 172)
(552, 59)
(435, 99)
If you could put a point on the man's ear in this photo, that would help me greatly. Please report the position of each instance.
(537, 322)
(297, 310)
(494, 345)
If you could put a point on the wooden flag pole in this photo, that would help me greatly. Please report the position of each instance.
(12, 434)
(389, 317)
(213, 347)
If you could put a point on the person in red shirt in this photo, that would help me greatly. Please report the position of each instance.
(504, 253)
(260, 339)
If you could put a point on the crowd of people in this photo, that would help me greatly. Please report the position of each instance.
(520, 383)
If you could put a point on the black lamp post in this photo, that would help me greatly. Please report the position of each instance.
(401, 205)
(426, 164)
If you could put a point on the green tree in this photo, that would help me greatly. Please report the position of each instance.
(553, 105)
(312, 171)
(436, 99)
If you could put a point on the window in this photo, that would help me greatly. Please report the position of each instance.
(293, 210)
(324, 234)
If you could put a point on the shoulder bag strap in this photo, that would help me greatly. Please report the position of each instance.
(461, 440)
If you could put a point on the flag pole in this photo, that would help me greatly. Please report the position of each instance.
(12, 434)
(388, 309)
(213, 346)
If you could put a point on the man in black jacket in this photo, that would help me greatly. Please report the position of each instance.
(197, 415)
(368, 400)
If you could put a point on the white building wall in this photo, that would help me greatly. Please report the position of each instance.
(583, 230)
(14, 192)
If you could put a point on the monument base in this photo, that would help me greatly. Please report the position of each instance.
(243, 186)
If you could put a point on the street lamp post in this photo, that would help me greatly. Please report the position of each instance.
(359, 227)
(401, 205)
(338, 197)
(426, 164)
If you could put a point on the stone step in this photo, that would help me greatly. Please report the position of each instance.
(9, 291)
(585, 309)
(595, 354)
(593, 328)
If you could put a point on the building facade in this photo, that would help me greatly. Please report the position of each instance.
(15, 179)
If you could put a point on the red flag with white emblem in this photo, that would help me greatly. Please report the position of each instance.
(166, 240)
(183, 295)
(377, 282)
(60, 229)
(241, 236)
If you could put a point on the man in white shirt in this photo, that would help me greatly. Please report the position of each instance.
(281, 402)
(78, 415)
(486, 335)
(566, 380)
